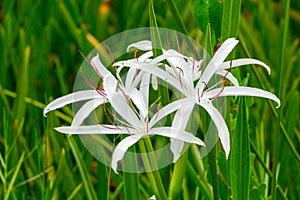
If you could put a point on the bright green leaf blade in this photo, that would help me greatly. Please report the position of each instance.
(230, 18)
(90, 192)
(131, 182)
(240, 155)
(201, 14)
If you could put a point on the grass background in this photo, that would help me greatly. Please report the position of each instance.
(39, 58)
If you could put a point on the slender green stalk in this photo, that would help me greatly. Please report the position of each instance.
(213, 171)
(148, 166)
(159, 184)
(90, 192)
(177, 17)
(10, 186)
(281, 82)
(267, 170)
(177, 176)
(240, 155)
(270, 103)
(131, 182)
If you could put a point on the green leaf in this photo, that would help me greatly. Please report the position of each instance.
(131, 182)
(230, 18)
(177, 17)
(209, 12)
(240, 155)
(201, 14)
(89, 189)
(214, 15)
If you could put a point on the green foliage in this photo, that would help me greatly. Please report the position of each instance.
(39, 57)
(240, 155)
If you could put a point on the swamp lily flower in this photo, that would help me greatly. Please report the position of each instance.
(124, 99)
(183, 72)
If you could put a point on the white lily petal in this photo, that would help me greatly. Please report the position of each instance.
(220, 124)
(121, 106)
(94, 129)
(99, 67)
(229, 76)
(71, 98)
(138, 78)
(144, 45)
(150, 68)
(154, 82)
(146, 57)
(242, 62)
(110, 84)
(180, 121)
(242, 91)
(216, 61)
(130, 77)
(138, 99)
(171, 107)
(184, 72)
(144, 87)
(118, 100)
(169, 132)
(121, 149)
(86, 110)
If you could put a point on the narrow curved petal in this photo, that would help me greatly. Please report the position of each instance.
(138, 99)
(179, 122)
(229, 76)
(152, 69)
(146, 57)
(94, 129)
(154, 82)
(171, 107)
(121, 106)
(118, 100)
(71, 98)
(121, 149)
(169, 132)
(220, 124)
(243, 62)
(144, 88)
(130, 75)
(86, 110)
(242, 91)
(99, 67)
(144, 45)
(216, 61)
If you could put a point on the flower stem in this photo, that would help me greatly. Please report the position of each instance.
(177, 176)
(153, 176)
(213, 171)
(280, 91)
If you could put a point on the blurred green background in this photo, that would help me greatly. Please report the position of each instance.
(39, 58)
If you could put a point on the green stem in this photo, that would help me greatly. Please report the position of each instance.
(282, 66)
(177, 176)
(177, 17)
(260, 82)
(160, 187)
(153, 176)
(267, 170)
(213, 171)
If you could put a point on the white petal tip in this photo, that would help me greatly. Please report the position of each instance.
(114, 167)
(46, 110)
(175, 159)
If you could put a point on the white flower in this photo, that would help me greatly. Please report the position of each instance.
(181, 73)
(135, 123)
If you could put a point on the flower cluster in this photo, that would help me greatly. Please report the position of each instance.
(129, 97)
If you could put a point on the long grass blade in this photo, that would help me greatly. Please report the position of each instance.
(90, 192)
(240, 156)
(280, 92)
(14, 177)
